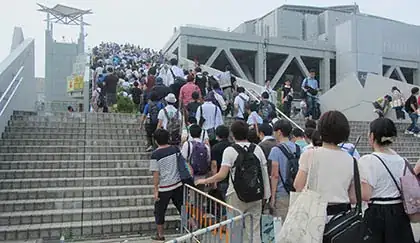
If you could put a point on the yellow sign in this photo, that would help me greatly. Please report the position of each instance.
(70, 84)
(75, 83)
(78, 83)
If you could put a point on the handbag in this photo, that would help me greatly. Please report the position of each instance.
(305, 220)
(348, 227)
(409, 190)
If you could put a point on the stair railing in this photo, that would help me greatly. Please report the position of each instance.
(6, 97)
(251, 93)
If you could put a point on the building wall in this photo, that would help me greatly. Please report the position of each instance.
(59, 59)
(290, 24)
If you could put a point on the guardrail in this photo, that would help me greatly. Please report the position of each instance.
(10, 91)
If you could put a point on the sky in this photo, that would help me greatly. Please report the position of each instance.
(151, 23)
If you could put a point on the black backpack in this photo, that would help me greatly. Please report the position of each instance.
(292, 167)
(248, 182)
(101, 100)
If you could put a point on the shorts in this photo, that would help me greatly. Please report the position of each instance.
(111, 99)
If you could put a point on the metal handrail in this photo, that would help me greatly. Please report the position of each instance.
(208, 229)
(277, 110)
(11, 83)
(11, 96)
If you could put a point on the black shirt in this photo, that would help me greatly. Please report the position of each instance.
(286, 91)
(111, 82)
(192, 108)
(217, 155)
(411, 101)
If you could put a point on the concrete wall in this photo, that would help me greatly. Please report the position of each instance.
(22, 94)
(290, 24)
(355, 101)
(59, 59)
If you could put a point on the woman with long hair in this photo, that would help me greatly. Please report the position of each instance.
(381, 172)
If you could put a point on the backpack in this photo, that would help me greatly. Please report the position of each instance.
(248, 182)
(198, 158)
(174, 128)
(101, 100)
(292, 167)
(266, 111)
(153, 113)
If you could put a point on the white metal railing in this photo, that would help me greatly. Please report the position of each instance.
(9, 87)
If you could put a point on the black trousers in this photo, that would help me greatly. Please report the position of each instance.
(150, 129)
(161, 205)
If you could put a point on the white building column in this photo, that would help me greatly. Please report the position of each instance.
(416, 76)
(260, 65)
(182, 47)
(324, 74)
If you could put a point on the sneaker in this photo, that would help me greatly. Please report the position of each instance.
(408, 132)
(149, 149)
(158, 238)
(417, 135)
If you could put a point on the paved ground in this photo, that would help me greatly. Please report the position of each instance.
(416, 228)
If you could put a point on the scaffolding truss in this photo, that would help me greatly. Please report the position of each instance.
(65, 15)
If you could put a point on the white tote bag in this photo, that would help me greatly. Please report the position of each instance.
(306, 217)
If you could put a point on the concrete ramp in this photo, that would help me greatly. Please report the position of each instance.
(355, 100)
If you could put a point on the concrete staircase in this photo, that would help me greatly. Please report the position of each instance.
(407, 146)
(83, 176)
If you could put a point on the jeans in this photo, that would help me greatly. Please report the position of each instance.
(310, 105)
(399, 112)
(413, 126)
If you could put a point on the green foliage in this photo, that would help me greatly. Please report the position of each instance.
(124, 105)
(279, 100)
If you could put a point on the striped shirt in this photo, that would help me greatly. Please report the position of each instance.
(164, 161)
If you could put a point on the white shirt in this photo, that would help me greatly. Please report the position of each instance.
(378, 177)
(331, 173)
(240, 102)
(187, 137)
(213, 119)
(171, 112)
(178, 72)
(228, 159)
(224, 79)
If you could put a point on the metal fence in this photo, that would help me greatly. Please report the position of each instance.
(205, 218)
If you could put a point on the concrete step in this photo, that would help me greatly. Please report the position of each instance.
(88, 124)
(79, 130)
(69, 142)
(73, 135)
(60, 216)
(72, 173)
(73, 203)
(72, 164)
(72, 149)
(8, 184)
(71, 192)
(78, 229)
(73, 156)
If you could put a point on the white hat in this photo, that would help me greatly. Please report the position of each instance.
(170, 98)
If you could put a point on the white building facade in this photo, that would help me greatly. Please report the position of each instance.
(290, 40)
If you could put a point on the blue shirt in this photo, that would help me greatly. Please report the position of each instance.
(146, 107)
(311, 82)
(276, 155)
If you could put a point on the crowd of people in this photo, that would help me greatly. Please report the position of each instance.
(401, 106)
(260, 159)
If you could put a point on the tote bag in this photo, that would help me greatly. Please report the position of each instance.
(307, 213)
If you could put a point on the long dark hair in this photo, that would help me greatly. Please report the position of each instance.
(395, 88)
